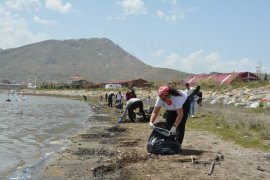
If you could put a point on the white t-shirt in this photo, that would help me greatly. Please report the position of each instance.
(177, 102)
(118, 96)
(132, 100)
(189, 91)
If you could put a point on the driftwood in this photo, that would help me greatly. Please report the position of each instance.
(216, 160)
(194, 161)
(212, 167)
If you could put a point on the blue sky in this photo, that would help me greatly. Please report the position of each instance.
(195, 36)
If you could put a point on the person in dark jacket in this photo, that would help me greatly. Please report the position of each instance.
(106, 97)
(130, 94)
(110, 99)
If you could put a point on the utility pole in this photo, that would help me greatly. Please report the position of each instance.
(36, 80)
(28, 78)
(74, 70)
(258, 69)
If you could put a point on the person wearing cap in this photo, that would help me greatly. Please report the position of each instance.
(172, 100)
(177, 105)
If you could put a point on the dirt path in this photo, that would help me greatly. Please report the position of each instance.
(106, 150)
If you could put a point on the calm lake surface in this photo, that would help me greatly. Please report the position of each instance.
(33, 128)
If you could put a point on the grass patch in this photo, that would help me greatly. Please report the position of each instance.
(249, 135)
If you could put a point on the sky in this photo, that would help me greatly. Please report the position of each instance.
(193, 36)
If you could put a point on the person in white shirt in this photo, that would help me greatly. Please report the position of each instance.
(119, 97)
(148, 102)
(190, 90)
(177, 104)
(172, 100)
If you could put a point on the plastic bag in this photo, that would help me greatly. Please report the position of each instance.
(119, 105)
(161, 142)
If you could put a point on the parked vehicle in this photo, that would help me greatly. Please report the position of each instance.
(112, 86)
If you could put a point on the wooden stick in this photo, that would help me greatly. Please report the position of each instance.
(212, 167)
(191, 157)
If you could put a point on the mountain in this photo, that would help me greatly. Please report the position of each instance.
(95, 60)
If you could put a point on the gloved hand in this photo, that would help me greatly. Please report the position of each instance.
(151, 125)
(120, 119)
(173, 130)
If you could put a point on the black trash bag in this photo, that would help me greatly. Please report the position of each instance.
(161, 142)
(119, 105)
(146, 119)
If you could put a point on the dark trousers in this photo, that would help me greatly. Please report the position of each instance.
(118, 101)
(109, 103)
(171, 117)
(132, 106)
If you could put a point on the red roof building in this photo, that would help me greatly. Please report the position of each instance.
(223, 78)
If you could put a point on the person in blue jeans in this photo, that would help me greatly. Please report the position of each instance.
(189, 90)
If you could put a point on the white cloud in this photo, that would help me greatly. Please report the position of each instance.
(175, 13)
(198, 62)
(131, 7)
(172, 16)
(158, 53)
(59, 6)
(170, 1)
(160, 14)
(122, 17)
(23, 5)
(45, 22)
(14, 31)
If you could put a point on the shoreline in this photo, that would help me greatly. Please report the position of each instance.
(91, 145)
(107, 150)
(46, 150)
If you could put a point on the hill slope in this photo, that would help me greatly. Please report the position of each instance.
(96, 60)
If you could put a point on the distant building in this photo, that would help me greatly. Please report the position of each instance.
(223, 78)
(131, 83)
(6, 84)
(112, 86)
(77, 82)
(81, 84)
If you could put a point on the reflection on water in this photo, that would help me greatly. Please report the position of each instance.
(32, 127)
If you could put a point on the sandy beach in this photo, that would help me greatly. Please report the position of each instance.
(108, 150)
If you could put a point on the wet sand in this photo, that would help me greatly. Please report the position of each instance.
(101, 150)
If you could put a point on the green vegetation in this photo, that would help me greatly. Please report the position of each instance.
(208, 85)
(253, 134)
(254, 84)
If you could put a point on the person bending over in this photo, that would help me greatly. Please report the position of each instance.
(177, 105)
(133, 104)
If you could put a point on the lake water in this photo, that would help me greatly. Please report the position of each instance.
(32, 128)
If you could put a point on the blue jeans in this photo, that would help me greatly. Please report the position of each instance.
(192, 108)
